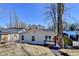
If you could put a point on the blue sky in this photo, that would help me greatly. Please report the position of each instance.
(28, 13)
(33, 13)
(72, 13)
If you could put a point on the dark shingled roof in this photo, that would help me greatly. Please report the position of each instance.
(10, 30)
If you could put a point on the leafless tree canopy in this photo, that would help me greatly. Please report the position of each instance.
(51, 13)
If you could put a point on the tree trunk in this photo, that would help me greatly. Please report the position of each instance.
(60, 29)
(54, 28)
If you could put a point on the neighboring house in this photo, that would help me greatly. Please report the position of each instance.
(74, 35)
(9, 34)
(36, 36)
(71, 34)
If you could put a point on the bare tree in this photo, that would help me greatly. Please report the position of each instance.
(15, 21)
(56, 12)
(65, 26)
(10, 15)
(52, 14)
(20, 25)
(33, 26)
(60, 8)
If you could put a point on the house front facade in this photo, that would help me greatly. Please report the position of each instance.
(35, 36)
(32, 36)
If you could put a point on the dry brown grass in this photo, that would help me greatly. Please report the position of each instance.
(24, 50)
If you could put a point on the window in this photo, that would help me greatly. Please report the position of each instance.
(22, 37)
(33, 38)
(49, 37)
(46, 37)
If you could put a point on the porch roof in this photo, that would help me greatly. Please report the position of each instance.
(9, 31)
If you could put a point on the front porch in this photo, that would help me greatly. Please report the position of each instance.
(52, 44)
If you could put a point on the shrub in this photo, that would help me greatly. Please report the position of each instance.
(67, 41)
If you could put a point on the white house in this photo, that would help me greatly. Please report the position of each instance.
(36, 36)
(33, 36)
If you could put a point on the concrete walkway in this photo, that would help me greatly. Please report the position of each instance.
(56, 52)
(70, 52)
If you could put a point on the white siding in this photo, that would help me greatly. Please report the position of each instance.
(39, 36)
(76, 43)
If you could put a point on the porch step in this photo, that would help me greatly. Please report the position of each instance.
(50, 43)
